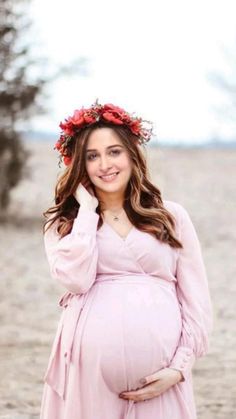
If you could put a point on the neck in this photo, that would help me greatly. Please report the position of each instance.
(112, 201)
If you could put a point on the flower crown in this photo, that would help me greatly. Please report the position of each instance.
(97, 112)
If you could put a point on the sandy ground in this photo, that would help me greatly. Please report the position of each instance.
(202, 181)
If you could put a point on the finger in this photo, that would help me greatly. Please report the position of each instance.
(134, 393)
(150, 378)
(139, 398)
(136, 400)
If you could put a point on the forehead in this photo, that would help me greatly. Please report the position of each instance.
(103, 137)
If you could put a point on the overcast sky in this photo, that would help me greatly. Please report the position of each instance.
(150, 57)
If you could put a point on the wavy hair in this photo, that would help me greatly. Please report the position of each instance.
(142, 201)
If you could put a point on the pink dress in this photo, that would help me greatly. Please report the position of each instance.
(133, 306)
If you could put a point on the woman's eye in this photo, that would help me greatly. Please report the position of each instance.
(91, 156)
(115, 152)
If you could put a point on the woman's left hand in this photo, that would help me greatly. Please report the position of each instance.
(155, 385)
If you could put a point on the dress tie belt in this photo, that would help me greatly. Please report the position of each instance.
(136, 278)
(60, 357)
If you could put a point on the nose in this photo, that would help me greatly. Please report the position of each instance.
(104, 163)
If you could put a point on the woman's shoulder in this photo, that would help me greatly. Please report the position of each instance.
(176, 209)
(173, 206)
(50, 226)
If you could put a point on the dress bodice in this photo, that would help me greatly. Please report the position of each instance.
(138, 253)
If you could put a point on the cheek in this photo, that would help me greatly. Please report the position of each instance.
(90, 169)
(125, 163)
(127, 166)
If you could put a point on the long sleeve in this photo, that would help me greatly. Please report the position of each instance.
(194, 298)
(73, 258)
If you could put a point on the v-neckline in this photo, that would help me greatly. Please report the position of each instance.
(117, 234)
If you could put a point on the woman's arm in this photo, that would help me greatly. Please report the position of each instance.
(194, 298)
(73, 258)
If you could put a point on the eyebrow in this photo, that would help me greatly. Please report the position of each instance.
(110, 146)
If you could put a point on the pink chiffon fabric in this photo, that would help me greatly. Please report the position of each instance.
(133, 306)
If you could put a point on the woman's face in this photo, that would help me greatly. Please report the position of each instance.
(107, 161)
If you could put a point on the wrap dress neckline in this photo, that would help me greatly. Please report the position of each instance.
(115, 233)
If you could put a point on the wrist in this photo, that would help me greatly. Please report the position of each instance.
(85, 207)
(179, 374)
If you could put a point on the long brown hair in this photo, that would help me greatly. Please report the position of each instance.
(142, 201)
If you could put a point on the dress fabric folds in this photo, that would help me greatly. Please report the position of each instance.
(132, 307)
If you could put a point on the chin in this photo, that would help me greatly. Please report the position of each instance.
(111, 188)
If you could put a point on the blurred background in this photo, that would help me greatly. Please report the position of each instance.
(173, 63)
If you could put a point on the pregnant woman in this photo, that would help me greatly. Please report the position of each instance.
(137, 311)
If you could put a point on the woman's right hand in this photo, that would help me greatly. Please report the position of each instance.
(86, 198)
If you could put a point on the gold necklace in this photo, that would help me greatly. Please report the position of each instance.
(116, 216)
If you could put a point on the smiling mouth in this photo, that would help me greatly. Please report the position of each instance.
(109, 177)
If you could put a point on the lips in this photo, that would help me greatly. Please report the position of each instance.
(109, 177)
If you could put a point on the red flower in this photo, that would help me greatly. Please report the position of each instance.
(90, 117)
(77, 118)
(135, 126)
(112, 118)
(115, 114)
(67, 127)
(113, 108)
(58, 144)
(67, 160)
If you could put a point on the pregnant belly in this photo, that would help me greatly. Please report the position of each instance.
(132, 330)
